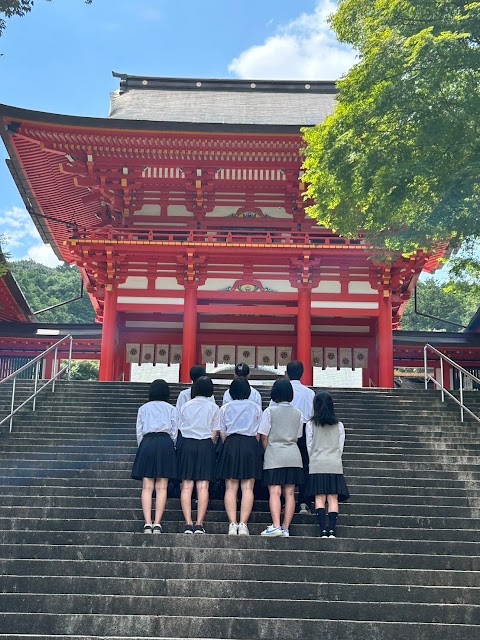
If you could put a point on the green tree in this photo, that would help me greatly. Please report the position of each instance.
(399, 159)
(11, 8)
(439, 300)
(45, 286)
(84, 370)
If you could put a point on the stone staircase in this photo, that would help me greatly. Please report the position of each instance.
(74, 563)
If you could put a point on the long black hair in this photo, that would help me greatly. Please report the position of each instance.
(323, 410)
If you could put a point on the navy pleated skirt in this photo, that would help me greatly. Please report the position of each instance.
(330, 484)
(284, 475)
(156, 457)
(196, 459)
(240, 459)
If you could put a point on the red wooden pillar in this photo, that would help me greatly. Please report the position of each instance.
(109, 338)
(304, 333)
(189, 344)
(385, 341)
(127, 371)
(447, 368)
(48, 365)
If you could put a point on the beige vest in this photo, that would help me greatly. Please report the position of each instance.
(282, 450)
(326, 456)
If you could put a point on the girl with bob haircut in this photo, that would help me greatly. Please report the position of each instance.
(155, 462)
(325, 436)
(280, 428)
(199, 421)
(240, 462)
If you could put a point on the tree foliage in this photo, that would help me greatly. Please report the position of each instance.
(439, 300)
(84, 370)
(399, 159)
(45, 286)
(11, 8)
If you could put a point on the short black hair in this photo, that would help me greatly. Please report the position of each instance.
(202, 386)
(159, 391)
(196, 372)
(242, 369)
(323, 409)
(295, 370)
(282, 391)
(240, 389)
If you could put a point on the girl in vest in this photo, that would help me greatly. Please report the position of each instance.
(156, 461)
(280, 428)
(196, 452)
(325, 436)
(240, 462)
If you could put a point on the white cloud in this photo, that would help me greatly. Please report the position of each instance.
(304, 49)
(22, 239)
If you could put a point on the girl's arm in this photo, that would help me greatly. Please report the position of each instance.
(341, 436)
(222, 427)
(139, 427)
(264, 441)
(309, 436)
(215, 424)
(174, 423)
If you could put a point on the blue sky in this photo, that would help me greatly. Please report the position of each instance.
(59, 58)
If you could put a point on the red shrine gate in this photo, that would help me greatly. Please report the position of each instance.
(184, 213)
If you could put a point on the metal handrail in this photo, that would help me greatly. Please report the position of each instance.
(463, 373)
(37, 361)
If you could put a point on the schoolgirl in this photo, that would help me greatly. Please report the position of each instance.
(280, 428)
(240, 461)
(242, 370)
(325, 436)
(199, 423)
(156, 462)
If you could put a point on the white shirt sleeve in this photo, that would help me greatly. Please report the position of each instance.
(226, 398)
(309, 436)
(300, 425)
(139, 426)
(222, 427)
(265, 423)
(216, 420)
(341, 436)
(175, 423)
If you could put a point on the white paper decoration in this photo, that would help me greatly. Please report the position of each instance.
(208, 353)
(317, 357)
(161, 354)
(266, 356)
(284, 355)
(247, 355)
(133, 353)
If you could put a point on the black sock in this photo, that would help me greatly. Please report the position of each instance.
(321, 518)
(332, 520)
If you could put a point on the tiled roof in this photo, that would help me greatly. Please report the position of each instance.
(241, 102)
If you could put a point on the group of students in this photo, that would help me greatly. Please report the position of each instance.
(296, 442)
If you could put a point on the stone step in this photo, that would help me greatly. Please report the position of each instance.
(239, 628)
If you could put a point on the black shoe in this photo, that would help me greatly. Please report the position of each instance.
(188, 528)
(331, 533)
(199, 529)
(324, 534)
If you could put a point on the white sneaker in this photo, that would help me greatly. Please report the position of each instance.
(285, 533)
(233, 529)
(243, 529)
(304, 510)
(272, 531)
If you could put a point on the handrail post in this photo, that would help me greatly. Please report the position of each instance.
(70, 358)
(461, 395)
(54, 369)
(13, 403)
(425, 365)
(37, 372)
(441, 378)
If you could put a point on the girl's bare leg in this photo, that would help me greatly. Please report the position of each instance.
(289, 508)
(161, 485)
(186, 500)
(246, 505)
(332, 503)
(274, 502)
(320, 502)
(148, 485)
(202, 498)
(230, 499)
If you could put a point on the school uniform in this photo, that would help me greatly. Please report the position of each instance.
(185, 396)
(254, 397)
(241, 457)
(303, 401)
(157, 429)
(283, 425)
(199, 419)
(325, 448)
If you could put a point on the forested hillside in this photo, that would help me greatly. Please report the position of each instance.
(44, 286)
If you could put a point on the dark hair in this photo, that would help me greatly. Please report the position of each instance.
(203, 386)
(323, 410)
(196, 372)
(282, 391)
(159, 390)
(295, 370)
(242, 370)
(240, 389)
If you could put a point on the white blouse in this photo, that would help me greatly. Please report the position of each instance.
(186, 395)
(309, 436)
(266, 421)
(240, 416)
(199, 418)
(254, 397)
(157, 417)
(302, 399)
